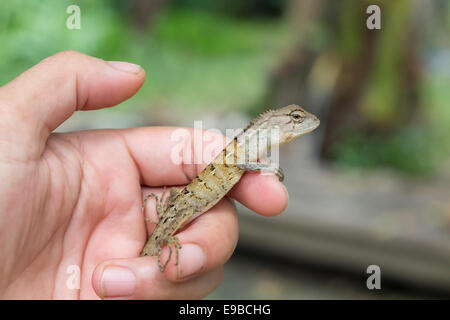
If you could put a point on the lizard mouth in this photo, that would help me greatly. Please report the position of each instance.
(310, 126)
(313, 125)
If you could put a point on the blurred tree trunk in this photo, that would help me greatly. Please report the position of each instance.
(376, 88)
(143, 12)
(288, 81)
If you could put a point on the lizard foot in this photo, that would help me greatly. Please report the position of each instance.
(151, 221)
(159, 204)
(261, 166)
(148, 197)
(280, 174)
(177, 245)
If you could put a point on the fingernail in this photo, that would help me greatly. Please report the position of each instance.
(118, 282)
(125, 66)
(192, 260)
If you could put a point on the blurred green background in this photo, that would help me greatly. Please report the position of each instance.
(382, 97)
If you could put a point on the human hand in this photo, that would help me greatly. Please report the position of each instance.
(75, 198)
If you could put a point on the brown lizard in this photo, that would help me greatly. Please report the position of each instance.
(216, 180)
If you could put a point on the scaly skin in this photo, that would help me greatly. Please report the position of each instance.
(217, 179)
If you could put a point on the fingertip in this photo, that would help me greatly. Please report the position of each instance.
(140, 278)
(286, 196)
(110, 85)
(192, 260)
(49, 92)
(262, 193)
(126, 67)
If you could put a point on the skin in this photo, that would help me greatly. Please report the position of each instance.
(75, 198)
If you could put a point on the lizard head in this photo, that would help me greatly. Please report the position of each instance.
(292, 121)
(279, 127)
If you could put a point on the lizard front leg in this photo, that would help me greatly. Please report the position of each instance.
(262, 166)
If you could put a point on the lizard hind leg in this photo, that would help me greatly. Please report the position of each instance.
(159, 207)
(177, 246)
(163, 199)
(163, 267)
(151, 195)
(144, 202)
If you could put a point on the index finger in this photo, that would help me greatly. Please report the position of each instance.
(153, 150)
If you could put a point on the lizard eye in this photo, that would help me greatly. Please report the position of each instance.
(297, 115)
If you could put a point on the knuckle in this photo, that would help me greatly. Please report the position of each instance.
(66, 56)
(71, 54)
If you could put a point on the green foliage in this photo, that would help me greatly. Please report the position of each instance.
(211, 35)
(33, 30)
(382, 102)
(245, 8)
(412, 150)
(193, 59)
(203, 60)
(350, 34)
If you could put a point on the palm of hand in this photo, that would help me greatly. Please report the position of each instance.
(82, 207)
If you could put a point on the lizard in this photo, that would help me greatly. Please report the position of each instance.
(218, 177)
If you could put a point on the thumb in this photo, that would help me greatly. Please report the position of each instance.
(140, 278)
(40, 99)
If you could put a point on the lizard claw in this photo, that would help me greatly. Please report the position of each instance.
(280, 174)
